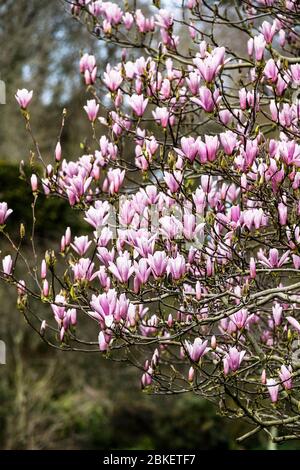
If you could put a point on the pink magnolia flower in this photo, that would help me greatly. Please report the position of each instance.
(190, 227)
(83, 270)
(207, 100)
(81, 244)
(259, 46)
(142, 272)
(277, 313)
(57, 152)
(162, 116)
(105, 256)
(92, 109)
(128, 20)
(176, 267)
(45, 288)
(229, 142)
(294, 323)
(285, 375)
(271, 70)
(34, 183)
(138, 104)
(193, 82)
(164, 19)
(188, 149)
(268, 30)
(240, 318)
(114, 180)
(98, 215)
(170, 227)
(252, 266)
(283, 213)
(104, 341)
(144, 24)
(24, 97)
(211, 64)
(233, 360)
(7, 264)
(273, 389)
(104, 305)
(112, 79)
(263, 377)
(4, 212)
(295, 73)
(122, 269)
(273, 261)
(173, 180)
(191, 374)
(158, 263)
(77, 187)
(146, 380)
(43, 269)
(212, 145)
(59, 308)
(87, 62)
(197, 349)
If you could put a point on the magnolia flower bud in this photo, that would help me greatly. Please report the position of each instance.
(34, 183)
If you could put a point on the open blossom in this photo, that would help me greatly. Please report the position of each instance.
(114, 180)
(88, 68)
(229, 142)
(81, 244)
(138, 104)
(206, 99)
(158, 263)
(122, 268)
(189, 148)
(104, 305)
(4, 212)
(98, 215)
(273, 261)
(24, 97)
(211, 64)
(233, 360)
(176, 267)
(83, 270)
(59, 308)
(173, 180)
(162, 116)
(271, 70)
(240, 318)
(112, 79)
(92, 109)
(164, 19)
(196, 349)
(285, 375)
(128, 20)
(268, 30)
(144, 24)
(193, 82)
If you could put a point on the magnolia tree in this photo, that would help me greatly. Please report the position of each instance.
(188, 187)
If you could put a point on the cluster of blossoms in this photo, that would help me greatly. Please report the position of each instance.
(191, 198)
